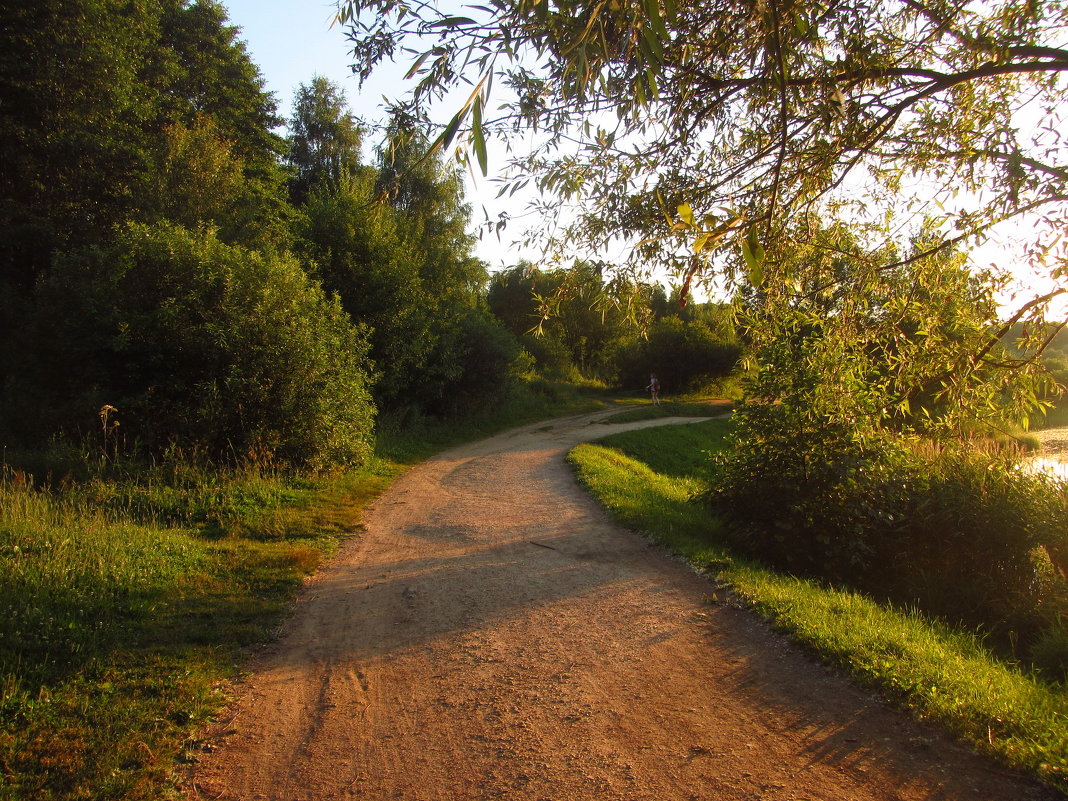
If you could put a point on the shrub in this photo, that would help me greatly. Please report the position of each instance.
(965, 544)
(196, 342)
(1050, 653)
(472, 366)
(683, 354)
(807, 498)
(954, 530)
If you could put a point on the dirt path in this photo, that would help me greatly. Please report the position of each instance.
(493, 636)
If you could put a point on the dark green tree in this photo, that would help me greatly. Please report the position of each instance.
(324, 138)
(201, 344)
(572, 322)
(354, 243)
(427, 193)
(202, 69)
(90, 88)
(114, 111)
(73, 124)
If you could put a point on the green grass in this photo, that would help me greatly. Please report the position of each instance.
(130, 596)
(125, 606)
(941, 674)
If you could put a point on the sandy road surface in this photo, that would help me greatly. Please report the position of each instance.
(493, 636)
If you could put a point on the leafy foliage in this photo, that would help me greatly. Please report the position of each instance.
(400, 262)
(572, 322)
(119, 110)
(862, 452)
(324, 138)
(106, 80)
(426, 194)
(201, 343)
(719, 125)
(684, 354)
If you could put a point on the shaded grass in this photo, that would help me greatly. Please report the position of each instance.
(130, 596)
(940, 673)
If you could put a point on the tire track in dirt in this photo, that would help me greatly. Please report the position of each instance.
(492, 635)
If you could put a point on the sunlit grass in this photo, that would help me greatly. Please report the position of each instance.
(130, 594)
(126, 604)
(645, 478)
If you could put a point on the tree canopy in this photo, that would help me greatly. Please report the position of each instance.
(692, 129)
(723, 139)
(324, 137)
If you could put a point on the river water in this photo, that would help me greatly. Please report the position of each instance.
(1053, 458)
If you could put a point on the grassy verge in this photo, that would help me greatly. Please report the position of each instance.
(129, 598)
(126, 603)
(644, 479)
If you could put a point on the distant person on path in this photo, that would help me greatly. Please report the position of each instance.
(654, 388)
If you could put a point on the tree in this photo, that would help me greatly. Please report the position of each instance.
(685, 355)
(199, 343)
(862, 451)
(114, 111)
(570, 321)
(324, 137)
(355, 247)
(434, 353)
(427, 194)
(72, 125)
(90, 89)
(722, 125)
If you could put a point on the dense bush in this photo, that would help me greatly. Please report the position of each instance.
(472, 366)
(197, 342)
(551, 357)
(967, 544)
(865, 450)
(808, 498)
(437, 351)
(955, 531)
(683, 353)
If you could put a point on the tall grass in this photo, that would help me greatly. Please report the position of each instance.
(131, 592)
(645, 480)
(127, 600)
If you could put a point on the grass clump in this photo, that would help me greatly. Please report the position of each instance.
(127, 601)
(941, 672)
